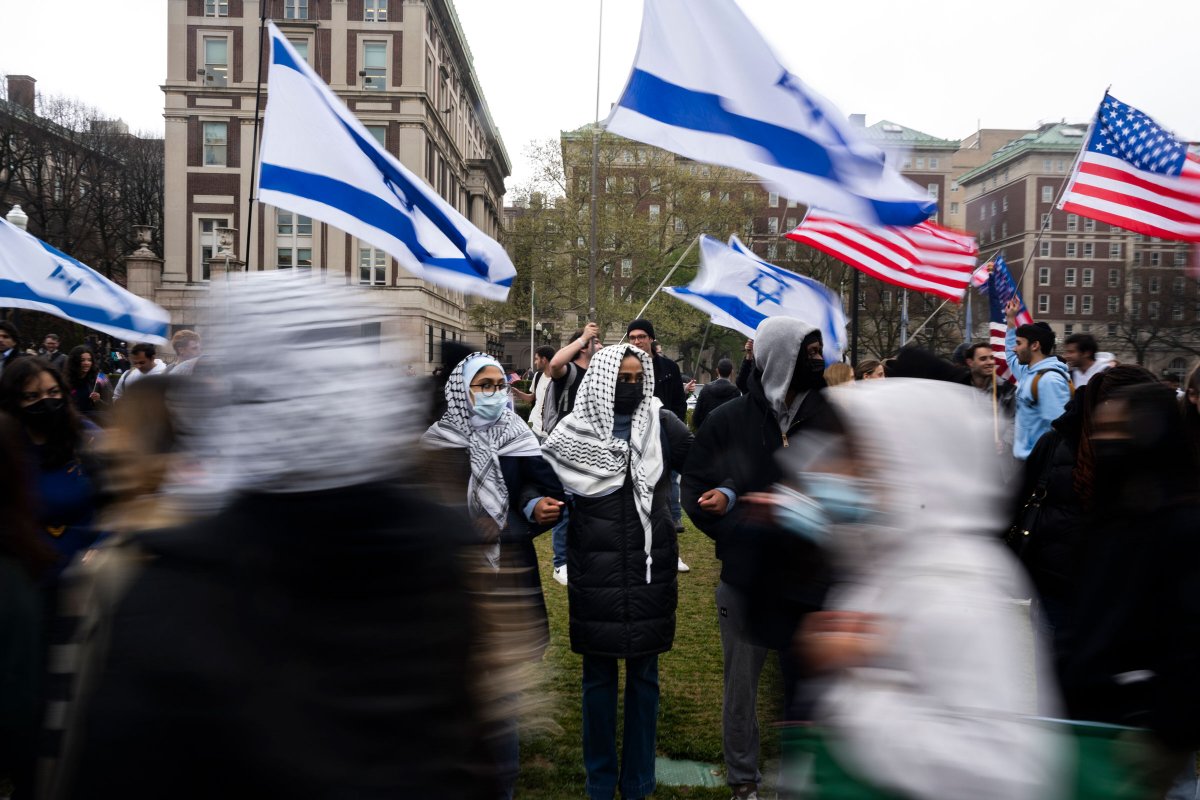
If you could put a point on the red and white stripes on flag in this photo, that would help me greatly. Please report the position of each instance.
(996, 332)
(925, 258)
(1134, 174)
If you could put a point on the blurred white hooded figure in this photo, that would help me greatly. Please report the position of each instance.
(929, 659)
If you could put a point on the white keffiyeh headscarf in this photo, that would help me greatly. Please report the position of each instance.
(487, 494)
(589, 461)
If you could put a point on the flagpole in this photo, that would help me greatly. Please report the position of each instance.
(262, 29)
(995, 409)
(532, 284)
(856, 288)
(904, 319)
(595, 175)
(700, 352)
(928, 319)
(691, 244)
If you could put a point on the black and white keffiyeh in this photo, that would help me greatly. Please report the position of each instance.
(487, 494)
(589, 461)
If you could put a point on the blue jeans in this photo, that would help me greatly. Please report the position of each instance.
(635, 775)
(558, 539)
(676, 509)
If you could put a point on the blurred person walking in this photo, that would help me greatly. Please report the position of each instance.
(715, 394)
(89, 388)
(511, 496)
(769, 579)
(318, 635)
(1080, 353)
(144, 361)
(186, 345)
(614, 454)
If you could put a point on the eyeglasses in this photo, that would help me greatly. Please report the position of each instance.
(53, 393)
(487, 389)
(639, 337)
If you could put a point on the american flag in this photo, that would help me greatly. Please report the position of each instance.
(925, 258)
(1136, 175)
(1000, 289)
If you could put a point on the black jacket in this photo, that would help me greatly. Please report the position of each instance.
(311, 646)
(783, 575)
(613, 611)
(668, 387)
(715, 394)
(744, 373)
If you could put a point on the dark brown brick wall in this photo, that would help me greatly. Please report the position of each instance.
(195, 8)
(351, 59)
(237, 54)
(397, 60)
(354, 10)
(324, 46)
(192, 56)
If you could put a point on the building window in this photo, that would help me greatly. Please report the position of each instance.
(1003, 229)
(1114, 304)
(1045, 221)
(920, 163)
(1069, 304)
(1089, 275)
(1068, 329)
(629, 185)
(372, 267)
(773, 225)
(1178, 284)
(1152, 309)
(1043, 304)
(216, 8)
(1135, 309)
(1155, 284)
(982, 212)
(1085, 306)
(1072, 223)
(375, 10)
(1089, 226)
(1114, 250)
(1177, 312)
(906, 164)
(993, 208)
(1137, 259)
(301, 47)
(1044, 249)
(933, 163)
(772, 251)
(293, 240)
(375, 66)
(626, 267)
(656, 185)
(1004, 203)
(1155, 259)
(1114, 278)
(380, 134)
(1070, 277)
(1089, 250)
(1071, 249)
(1136, 284)
(216, 143)
(216, 61)
(772, 200)
(1045, 165)
(1043, 276)
(295, 9)
(1047, 194)
(954, 208)
(790, 250)
(1181, 257)
(208, 241)
(655, 211)
(933, 190)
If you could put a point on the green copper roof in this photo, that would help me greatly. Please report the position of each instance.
(1057, 137)
(886, 132)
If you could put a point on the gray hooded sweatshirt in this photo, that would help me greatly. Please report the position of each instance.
(776, 348)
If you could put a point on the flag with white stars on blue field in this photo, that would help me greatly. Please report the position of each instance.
(1136, 175)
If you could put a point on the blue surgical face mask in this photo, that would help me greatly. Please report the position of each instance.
(490, 407)
(843, 498)
(803, 516)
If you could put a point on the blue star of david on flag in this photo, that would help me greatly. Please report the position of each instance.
(767, 287)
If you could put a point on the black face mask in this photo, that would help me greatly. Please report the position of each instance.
(809, 374)
(627, 398)
(44, 415)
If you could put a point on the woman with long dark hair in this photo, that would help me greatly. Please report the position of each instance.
(90, 390)
(63, 490)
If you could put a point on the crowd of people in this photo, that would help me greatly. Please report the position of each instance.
(294, 573)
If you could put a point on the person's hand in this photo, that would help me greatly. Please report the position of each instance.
(749, 348)
(590, 331)
(690, 386)
(1012, 308)
(547, 511)
(94, 397)
(715, 502)
(833, 640)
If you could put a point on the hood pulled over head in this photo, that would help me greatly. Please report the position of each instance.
(779, 345)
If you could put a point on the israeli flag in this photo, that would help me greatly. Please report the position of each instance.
(39, 277)
(739, 290)
(705, 85)
(320, 161)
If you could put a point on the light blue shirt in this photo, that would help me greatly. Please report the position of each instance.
(1033, 419)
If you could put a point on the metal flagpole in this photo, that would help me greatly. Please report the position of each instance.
(262, 31)
(854, 295)
(700, 352)
(904, 319)
(928, 319)
(595, 176)
(667, 278)
(532, 284)
(969, 333)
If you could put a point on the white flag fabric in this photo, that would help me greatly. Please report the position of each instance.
(706, 85)
(319, 160)
(738, 290)
(39, 277)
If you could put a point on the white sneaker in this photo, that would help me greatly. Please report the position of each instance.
(560, 574)
(684, 567)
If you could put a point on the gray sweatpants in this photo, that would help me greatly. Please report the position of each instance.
(743, 665)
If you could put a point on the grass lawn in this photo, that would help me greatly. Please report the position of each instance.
(689, 725)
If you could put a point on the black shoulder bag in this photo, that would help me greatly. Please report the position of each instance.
(1025, 526)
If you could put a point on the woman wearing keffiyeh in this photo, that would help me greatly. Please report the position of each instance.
(614, 453)
(511, 495)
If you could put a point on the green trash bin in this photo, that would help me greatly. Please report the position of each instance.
(1110, 764)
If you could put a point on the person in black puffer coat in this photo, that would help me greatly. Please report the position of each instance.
(614, 453)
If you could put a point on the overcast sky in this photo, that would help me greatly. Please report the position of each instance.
(941, 66)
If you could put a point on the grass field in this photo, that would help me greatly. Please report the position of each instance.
(689, 725)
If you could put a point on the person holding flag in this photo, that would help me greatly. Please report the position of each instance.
(90, 388)
(1043, 381)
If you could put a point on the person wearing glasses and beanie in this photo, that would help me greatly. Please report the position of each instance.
(614, 453)
(512, 495)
